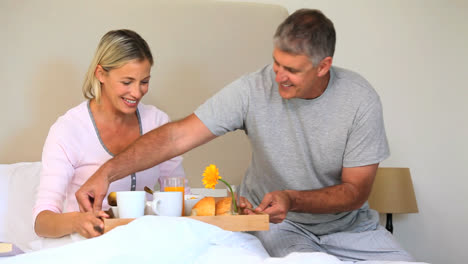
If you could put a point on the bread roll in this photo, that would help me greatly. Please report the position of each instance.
(223, 206)
(204, 207)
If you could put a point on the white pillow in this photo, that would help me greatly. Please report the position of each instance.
(16, 202)
(4, 180)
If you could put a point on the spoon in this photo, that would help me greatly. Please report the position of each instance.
(148, 190)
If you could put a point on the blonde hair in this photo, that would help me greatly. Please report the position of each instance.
(116, 48)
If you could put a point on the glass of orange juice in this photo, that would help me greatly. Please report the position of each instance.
(174, 184)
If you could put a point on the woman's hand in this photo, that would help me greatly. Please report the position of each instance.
(89, 224)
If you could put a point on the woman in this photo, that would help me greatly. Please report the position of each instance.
(96, 130)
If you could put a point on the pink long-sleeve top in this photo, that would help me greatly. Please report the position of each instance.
(73, 151)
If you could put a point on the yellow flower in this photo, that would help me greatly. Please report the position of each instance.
(211, 176)
(210, 179)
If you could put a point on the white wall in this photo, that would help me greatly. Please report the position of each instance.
(47, 46)
(415, 53)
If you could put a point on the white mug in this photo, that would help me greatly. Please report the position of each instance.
(167, 203)
(131, 204)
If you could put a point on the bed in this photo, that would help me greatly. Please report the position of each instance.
(199, 47)
(147, 239)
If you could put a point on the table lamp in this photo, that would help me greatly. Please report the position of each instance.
(392, 193)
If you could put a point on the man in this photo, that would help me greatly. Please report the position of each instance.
(317, 137)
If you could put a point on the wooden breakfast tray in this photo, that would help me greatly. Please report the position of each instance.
(259, 222)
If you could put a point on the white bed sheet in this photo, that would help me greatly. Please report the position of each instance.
(156, 239)
(150, 239)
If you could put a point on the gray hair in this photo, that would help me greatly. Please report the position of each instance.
(116, 48)
(308, 32)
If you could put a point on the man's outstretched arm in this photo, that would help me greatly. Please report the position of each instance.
(350, 194)
(156, 146)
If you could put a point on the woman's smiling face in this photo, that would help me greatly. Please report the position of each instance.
(124, 87)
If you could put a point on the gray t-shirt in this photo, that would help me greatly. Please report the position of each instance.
(302, 144)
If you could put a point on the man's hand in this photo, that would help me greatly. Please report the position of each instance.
(92, 192)
(276, 204)
(245, 207)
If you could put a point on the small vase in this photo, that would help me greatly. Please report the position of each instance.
(234, 199)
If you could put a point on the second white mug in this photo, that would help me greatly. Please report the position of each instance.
(167, 203)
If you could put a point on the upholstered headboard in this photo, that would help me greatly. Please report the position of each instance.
(199, 47)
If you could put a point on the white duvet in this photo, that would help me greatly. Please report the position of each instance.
(156, 239)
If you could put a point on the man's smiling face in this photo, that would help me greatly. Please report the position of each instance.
(295, 74)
